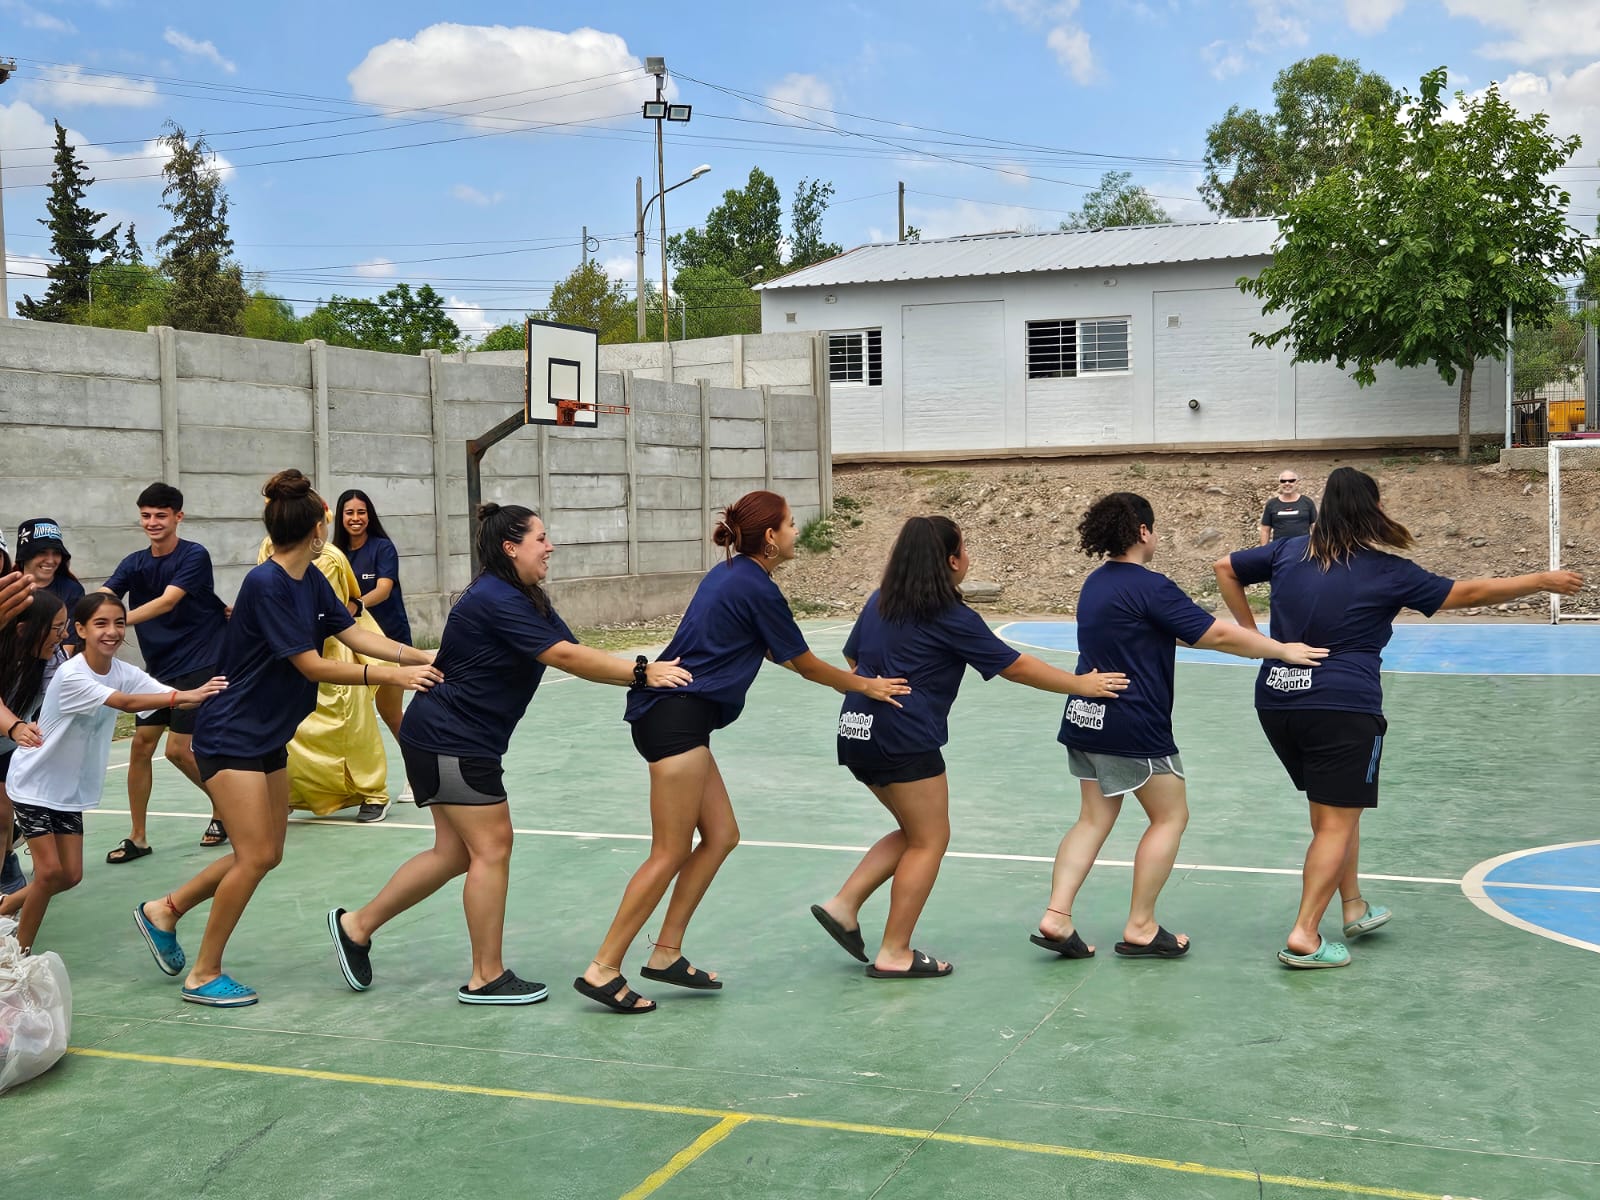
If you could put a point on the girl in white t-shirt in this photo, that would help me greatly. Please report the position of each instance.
(54, 783)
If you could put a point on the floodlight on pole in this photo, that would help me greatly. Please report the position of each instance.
(659, 111)
(7, 66)
(641, 209)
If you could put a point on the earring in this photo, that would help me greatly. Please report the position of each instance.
(770, 551)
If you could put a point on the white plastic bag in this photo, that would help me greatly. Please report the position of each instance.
(35, 1013)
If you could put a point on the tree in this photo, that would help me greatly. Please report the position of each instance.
(742, 233)
(271, 319)
(1415, 256)
(805, 242)
(591, 298)
(398, 322)
(713, 303)
(73, 240)
(1116, 202)
(207, 287)
(511, 336)
(123, 295)
(1548, 354)
(131, 253)
(1256, 161)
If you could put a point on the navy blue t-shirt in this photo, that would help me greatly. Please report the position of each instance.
(1130, 619)
(69, 591)
(378, 559)
(932, 657)
(274, 618)
(736, 618)
(1350, 609)
(187, 638)
(489, 655)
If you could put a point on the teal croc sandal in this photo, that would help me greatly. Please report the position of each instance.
(222, 992)
(1375, 917)
(164, 946)
(1329, 954)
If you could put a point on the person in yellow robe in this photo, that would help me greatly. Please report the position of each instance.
(336, 759)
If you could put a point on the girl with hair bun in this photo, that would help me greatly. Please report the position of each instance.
(271, 658)
(917, 625)
(737, 618)
(1131, 618)
(500, 636)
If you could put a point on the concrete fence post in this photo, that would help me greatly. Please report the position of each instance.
(441, 492)
(738, 359)
(167, 367)
(823, 392)
(706, 547)
(766, 432)
(321, 451)
(630, 444)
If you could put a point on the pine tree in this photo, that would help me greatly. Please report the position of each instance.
(73, 240)
(131, 253)
(207, 291)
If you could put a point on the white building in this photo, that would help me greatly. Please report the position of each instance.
(1130, 338)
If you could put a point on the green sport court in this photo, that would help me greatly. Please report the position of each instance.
(1455, 1058)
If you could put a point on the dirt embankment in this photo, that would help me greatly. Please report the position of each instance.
(1020, 520)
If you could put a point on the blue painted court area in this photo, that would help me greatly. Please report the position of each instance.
(1553, 891)
(1487, 649)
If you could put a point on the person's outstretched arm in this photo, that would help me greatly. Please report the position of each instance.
(809, 666)
(1247, 643)
(1035, 673)
(1233, 593)
(599, 667)
(1469, 593)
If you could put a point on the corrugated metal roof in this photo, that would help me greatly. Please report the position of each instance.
(1018, 253)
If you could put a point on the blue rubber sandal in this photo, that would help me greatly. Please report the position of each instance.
(222, 992)
(1375, 917)
(164, 946)
(1328, 954)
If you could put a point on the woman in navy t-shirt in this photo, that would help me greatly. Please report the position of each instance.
(916, 625)
(737, 619)
(271, 657)
(1340, 587)
(360, 534)
(1130, 619)
(500, 636)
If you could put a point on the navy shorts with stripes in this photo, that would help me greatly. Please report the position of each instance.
(1332, 756)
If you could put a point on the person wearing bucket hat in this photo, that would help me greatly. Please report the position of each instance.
(42, 555)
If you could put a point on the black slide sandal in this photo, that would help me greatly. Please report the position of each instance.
(215, 834)
(1071, 946)
(616, 995)
(127, 850)
(850, 940)
(922, 967)
(1163, 945)
(683, 974)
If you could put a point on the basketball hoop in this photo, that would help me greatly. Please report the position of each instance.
(567, 410)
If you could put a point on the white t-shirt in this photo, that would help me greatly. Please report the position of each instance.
(67, 771)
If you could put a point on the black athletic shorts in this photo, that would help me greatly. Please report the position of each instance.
(35, 821)
(441, 779)
(262, 764)
(878, 771)
(675, 724)
(1332, 756)
(178, 720)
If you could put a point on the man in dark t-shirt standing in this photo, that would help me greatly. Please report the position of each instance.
(1288, 514)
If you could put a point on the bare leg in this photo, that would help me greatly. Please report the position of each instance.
(1165, 803)
(7, 820)
(484, 830)
(1333, 830)
(141, 754)
(57, 867)
(388, 701)
(719, 835)
(923, 810)
(418, 878)
(875, 869)
(677, 787)
(1075, 857)
(1353, 905)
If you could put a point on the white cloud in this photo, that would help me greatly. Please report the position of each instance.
(69, 87)
(30, 136)
(449, 64)
(1573, 103)
(194, 48)
(622, 268)
(801, 96)
(375, 268)
(1371, 16)
(1064, 37)
(468, 194)
(33, 18)
(1223, 58)
(472, 319)
(1541, 30)
(967, 216)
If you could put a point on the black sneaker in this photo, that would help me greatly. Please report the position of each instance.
(508, 989)
(371, 812)
(354, 958)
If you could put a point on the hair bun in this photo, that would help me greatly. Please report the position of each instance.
(290, 484)
(487, 510)
(726, 533)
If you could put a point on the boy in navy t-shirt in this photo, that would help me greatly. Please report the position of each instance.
(179, 620)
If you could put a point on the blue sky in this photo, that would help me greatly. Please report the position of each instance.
(320, 112)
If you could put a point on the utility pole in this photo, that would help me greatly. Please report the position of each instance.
(638, 254)
(7, 66)
(902, 210)
(661, 186)
(585, 247)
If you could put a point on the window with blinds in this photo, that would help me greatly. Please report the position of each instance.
(856, 357)
(1064, 349)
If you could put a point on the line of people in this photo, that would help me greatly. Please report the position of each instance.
(1336, 593)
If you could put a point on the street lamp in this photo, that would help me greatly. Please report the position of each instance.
(7, 66)
(641, 208)
(659, 110)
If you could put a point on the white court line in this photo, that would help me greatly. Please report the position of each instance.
(977, 856)
(1473, 885)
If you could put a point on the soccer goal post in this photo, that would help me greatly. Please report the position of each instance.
(1570, 522)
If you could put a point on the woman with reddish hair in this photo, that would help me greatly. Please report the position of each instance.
(737, 618)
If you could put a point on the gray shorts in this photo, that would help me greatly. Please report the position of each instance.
(1116, 775)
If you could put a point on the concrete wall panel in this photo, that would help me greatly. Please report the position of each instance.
(242, 360)
(82, 401)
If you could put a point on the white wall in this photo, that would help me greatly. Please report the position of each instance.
(1189, 331)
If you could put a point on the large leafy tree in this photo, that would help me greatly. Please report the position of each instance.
(1255, 162)
(206, 290)
(1415, 256)
(806, 245)
(742, 233)
(398, 322)
(590, 297)
(1116, 202)
(74, 244)
(710, 302)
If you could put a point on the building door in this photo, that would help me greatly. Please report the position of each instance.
(952, 376)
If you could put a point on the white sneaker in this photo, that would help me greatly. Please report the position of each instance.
(405, 796)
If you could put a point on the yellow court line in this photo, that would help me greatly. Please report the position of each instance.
(684, 1157)
(721, 1114)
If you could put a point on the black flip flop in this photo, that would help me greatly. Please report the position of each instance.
(922, 967)
(1163, 945)
(1071, 946)
(127, 850)
(850, 940)
(683, 974)
(215, 834)
(616, 995)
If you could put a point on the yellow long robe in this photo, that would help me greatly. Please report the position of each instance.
(336, 759)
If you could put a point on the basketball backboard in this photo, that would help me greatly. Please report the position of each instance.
(562, 374)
